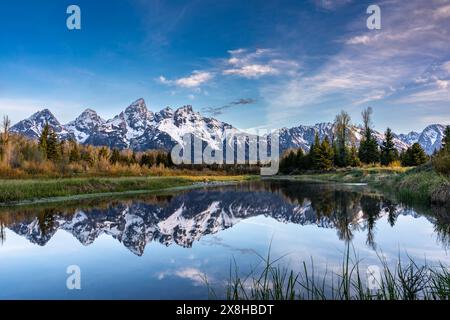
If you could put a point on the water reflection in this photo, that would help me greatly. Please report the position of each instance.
(184, 218)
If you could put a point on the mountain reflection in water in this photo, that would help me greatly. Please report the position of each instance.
(185, 217)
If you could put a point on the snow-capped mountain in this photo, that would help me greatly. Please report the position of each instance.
(141, 129)
(409, 138)
(32, 127)
(431, 138)
(136, 127)
(86, 123)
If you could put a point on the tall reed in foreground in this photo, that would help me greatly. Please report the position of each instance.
(401, 281)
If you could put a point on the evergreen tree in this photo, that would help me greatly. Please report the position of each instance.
(353, 160)
(52, 146)
(314, 152)
(147, 159)
(74, 154)
(325, 156)
(446, 140)
(49, 144)
(115, 156)
(133, 158)
(288, 163)
(389, 153)
(103, 153)
(300, 159)
(414, 156)
(43, 139)
(368, 148)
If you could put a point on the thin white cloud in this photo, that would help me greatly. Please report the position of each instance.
(442, 84)
(446, 66)
(196, 79)
(359, 40)
(442, 12)
(258, 63)
(252, 71)
(331, 4)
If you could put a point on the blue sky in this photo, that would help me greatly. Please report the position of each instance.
(253, 64)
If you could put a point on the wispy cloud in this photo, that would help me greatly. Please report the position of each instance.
(194, 80)
(331, 4)
(251, 70)
(258, 63)
(442, 12)
(375, 65)
(215, 111)
(359, 40)
(446, 66)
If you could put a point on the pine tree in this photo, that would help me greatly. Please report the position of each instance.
(325, 156)
(43, 139)
(300, 159)
(115, 156)
(147, 159)
(446, 140)
(74, 154)
(315, 152)
(353, 160)
(389, 153)
(414, 156)
(103, 153)
(368, 148)
(289, 162)
(133, 159)
(52, 145)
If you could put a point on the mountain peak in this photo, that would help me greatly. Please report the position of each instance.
(43, 114)
(32, 127)
(186, 108)
(165, 113)
(88, 115)
(137, 106)
(89, 111)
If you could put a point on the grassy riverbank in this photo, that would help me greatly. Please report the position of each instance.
(13, 191)
(419, 184)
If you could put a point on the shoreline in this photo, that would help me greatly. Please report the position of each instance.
(419, 185)
(16, 193)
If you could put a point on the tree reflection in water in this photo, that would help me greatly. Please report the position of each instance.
(187, 216)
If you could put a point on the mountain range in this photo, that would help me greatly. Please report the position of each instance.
(140, 129)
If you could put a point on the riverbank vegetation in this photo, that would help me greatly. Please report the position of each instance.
(403, 280)
(16, 190)
(341, 151)
(410, 173)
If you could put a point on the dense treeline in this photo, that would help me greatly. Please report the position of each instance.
(441, 159)
(49, 157)
(340, 150)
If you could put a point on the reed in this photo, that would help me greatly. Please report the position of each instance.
(400, 281)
